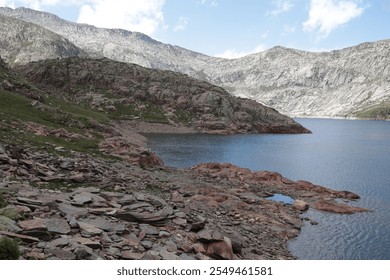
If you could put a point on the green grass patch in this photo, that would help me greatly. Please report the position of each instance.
(124, 111)
(16, 107)
(59, 114)
(379, 112)
(79, 112)
(50, 143)
(153, 114)
(150, 113)
(184, 117)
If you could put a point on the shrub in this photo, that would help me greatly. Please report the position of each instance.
(9, 249)
(3, 203)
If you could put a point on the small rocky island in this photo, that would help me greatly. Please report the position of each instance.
(78, 182)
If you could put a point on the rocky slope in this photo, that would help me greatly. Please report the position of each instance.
(352, 82)
(129, 91)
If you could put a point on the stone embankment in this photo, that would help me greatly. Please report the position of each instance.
(69, 205)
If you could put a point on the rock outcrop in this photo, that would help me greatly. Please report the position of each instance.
(129, 91)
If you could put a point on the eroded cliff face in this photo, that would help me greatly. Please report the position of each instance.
(129, 91)
(351, 82)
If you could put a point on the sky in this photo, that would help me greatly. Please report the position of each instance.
(233, 28)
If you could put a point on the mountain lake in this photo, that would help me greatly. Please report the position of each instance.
(351, 155)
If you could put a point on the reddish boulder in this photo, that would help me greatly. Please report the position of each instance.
(221, 249)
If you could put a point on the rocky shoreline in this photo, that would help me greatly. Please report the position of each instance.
(128, 205)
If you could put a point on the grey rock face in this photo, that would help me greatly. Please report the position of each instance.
(330, 84)
(22, 42)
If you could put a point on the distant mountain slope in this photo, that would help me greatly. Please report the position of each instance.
(116, 44)
(23, 42)
(351, 82)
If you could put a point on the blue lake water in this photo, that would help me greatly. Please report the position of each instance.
(349, 155)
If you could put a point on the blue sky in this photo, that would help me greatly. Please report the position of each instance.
(233, 28)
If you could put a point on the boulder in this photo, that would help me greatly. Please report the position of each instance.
(83, 198)
(220, 249)
(300, 205)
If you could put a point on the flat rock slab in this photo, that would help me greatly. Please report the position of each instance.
(148, 229)
(34, 224)
(88, 190)
(29, 201)
(87, 242)
(180, 221)
(100, 222)
(165, 255)
(146, 217)
(70, 210)
(20, 236)
(129, 255)
(135, 206)
(60, 242)
(88, 229)
(61, 254)
(58, 226)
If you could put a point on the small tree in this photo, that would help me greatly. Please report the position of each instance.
(9, 249)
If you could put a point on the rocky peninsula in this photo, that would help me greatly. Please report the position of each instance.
(78, 182)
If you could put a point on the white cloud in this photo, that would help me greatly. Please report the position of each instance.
(136, 15)
(265, 35)
(289, 28)
(182, 24)
(327, 15)
(212, 3)
(7, 3)
(281, 6)
(37, 4)
(233, 53)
